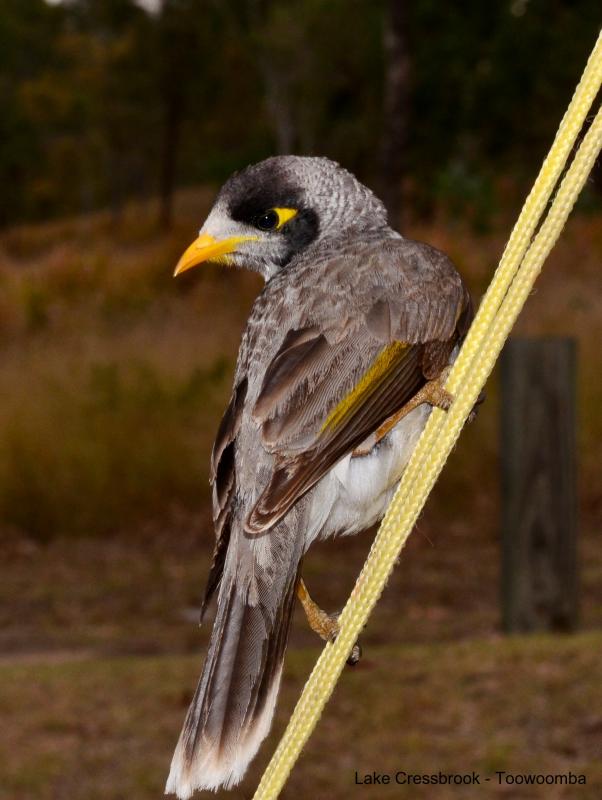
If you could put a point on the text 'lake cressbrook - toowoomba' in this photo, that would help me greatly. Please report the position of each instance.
(499, 777)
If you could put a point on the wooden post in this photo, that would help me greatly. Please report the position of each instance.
(539, 513)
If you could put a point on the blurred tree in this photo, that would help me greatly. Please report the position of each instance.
(109, 42)
(176, 66)
(200, 77)
(87, 105)
(102, 99)
(396, 107)
(28, 33)
(490, 86)
(320, 78)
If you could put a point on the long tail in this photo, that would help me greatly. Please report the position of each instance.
(232, 708)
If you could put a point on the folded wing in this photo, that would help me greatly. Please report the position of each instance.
(334, 382)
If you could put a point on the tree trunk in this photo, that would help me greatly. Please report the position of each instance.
(279, 107)
(396, 108)
(169, 156)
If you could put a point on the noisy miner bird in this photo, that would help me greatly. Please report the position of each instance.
(342, 359)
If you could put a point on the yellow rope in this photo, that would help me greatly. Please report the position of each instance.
(520, 264)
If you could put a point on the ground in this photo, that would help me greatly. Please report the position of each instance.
(106, 539)
(102, 651)
(105, 728)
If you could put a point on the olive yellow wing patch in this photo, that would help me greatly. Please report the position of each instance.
(369, 381)
(348, 417)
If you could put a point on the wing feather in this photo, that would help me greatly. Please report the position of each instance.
(295, 474)
(411, 303)
(223, 478)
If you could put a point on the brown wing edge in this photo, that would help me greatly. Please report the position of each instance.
(223, 479)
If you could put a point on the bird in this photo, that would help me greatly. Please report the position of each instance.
(345, 353)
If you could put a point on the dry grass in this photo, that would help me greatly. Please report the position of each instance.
(106, 729)
(113, 377)
(101, 653)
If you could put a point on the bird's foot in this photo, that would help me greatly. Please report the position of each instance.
(435, 393)
(324, 624)
(475, 409)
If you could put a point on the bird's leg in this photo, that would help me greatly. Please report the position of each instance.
(325, 625)
(433, 393)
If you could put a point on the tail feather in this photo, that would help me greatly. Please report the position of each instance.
(232, 708)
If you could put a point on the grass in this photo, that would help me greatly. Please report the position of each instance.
(101, 651)
(122, 438)
(105, 729)
(113, 376)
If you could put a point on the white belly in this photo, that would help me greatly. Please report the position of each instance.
(356, 492)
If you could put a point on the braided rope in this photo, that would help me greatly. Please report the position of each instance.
(519, 267)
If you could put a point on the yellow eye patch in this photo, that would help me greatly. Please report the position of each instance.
(284, 214)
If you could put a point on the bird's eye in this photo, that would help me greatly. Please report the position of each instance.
(268, 221)
(275, 218)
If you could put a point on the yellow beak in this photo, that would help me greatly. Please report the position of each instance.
(207, 248)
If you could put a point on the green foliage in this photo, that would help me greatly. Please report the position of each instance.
(491, 84)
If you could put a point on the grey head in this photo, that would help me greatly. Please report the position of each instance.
(269, 213)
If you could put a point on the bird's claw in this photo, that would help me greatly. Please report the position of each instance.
(356, 650)
(325, 625)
